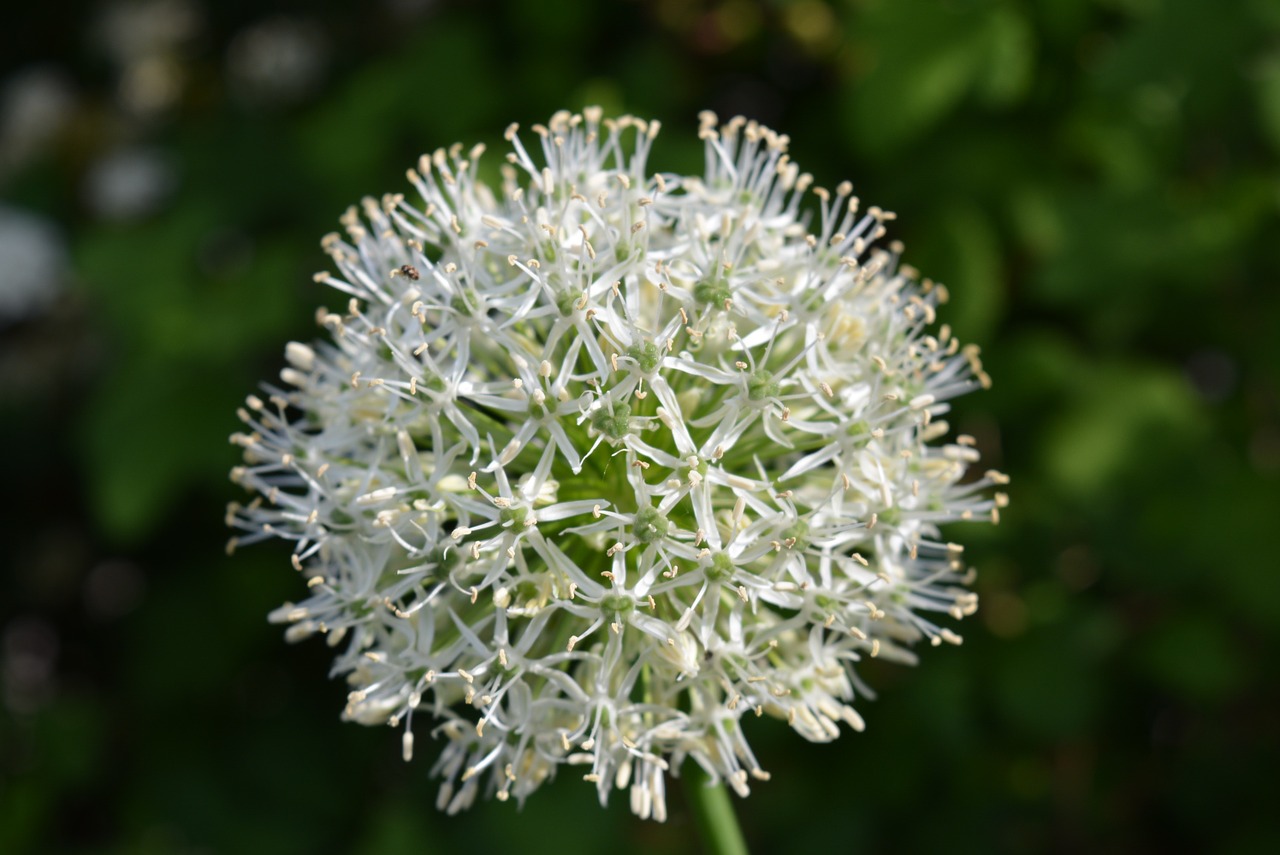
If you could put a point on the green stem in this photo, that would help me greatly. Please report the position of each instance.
(713, 813)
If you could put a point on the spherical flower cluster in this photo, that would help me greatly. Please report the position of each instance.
(597, 463)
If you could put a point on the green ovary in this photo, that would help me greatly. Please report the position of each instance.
(650, 525)
(615, 425)
(715, 292)
(721, 567)
(646, 355)
(761, 386)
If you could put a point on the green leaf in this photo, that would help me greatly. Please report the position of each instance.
(923, 58)
(1268, 95)
(1122, 418)
(1194, 656)
(965, 253)
(145, 436)
(1010, 60)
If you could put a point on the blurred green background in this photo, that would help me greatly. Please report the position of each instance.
(1096, 180)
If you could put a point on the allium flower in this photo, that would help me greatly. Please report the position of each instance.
(597, 463)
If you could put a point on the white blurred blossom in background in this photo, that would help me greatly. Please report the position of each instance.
(130, 183)
(34, 263)
(36, 103)
(277, 61)
(598, 462)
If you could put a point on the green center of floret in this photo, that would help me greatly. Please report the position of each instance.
(516, 516)
(798, 534)
(761, 386)
(646, 355)
(567, 302)
(713, 293)
(616, 605)
(650, 525)
(720, 568)
(614, 424)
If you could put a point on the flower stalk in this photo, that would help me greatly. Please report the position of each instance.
(713, 813)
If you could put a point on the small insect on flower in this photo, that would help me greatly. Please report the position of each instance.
(598, 462)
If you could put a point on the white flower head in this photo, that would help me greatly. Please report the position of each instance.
(595, 464)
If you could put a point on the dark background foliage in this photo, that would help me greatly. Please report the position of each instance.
(1096, 180)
